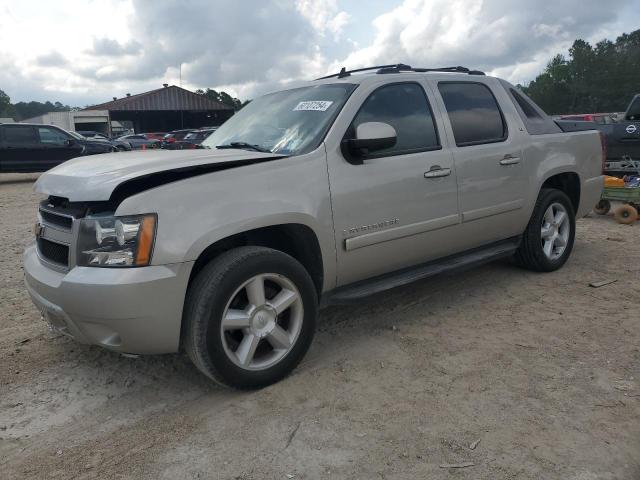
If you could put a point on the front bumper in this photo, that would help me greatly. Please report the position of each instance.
(130, 310)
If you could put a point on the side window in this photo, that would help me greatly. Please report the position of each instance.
(19, 135)
(474, 113)
(404, 106)
(526, 107)
(51, 136)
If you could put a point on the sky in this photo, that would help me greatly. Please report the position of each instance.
(82, 52)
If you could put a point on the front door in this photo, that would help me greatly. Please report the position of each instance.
(55, 147)
(396, 207)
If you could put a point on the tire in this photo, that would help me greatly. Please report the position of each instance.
(626, 214)
(241, 351)
(602, 207)
(533, 252)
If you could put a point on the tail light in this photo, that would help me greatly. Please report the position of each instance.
(603, 148)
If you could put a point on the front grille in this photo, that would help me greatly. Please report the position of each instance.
(55, 219)
(54, 252)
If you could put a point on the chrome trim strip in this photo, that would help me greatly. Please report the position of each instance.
(400, 232)
(492, 210)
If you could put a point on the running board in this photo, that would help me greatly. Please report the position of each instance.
(469, 259)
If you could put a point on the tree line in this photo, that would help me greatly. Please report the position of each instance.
(223, 97)
(23, 110)
(600, 78)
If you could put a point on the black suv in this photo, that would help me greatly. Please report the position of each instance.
(36, 148)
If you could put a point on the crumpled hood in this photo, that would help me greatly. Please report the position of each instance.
(95, 177)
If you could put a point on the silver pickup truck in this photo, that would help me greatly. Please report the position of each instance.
(326, 192)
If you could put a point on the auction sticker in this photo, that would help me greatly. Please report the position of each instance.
(316, 105)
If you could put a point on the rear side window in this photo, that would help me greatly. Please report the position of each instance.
(404, 106)
(474, 113)
(526, 107)
(19, 135)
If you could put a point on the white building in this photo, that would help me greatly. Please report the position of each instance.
(95, 120)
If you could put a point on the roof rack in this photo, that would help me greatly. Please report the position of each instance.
(401, 67)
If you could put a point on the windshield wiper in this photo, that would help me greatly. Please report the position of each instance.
(244, 145)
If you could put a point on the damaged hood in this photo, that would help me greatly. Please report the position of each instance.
(95, 177)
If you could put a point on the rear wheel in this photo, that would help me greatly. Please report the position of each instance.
(250, 317)
(548, 240)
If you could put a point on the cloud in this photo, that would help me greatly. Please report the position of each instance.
(104, 48)
(51, 59)
(487, 35)
(112, 48)
(324, 15)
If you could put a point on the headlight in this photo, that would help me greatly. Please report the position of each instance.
(116, 241)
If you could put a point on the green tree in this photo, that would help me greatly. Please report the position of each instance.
(6, 109)
(600, 78)
(222, 97)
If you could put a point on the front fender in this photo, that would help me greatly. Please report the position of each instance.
(196, 212)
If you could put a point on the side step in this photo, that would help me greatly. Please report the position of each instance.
(469, 259)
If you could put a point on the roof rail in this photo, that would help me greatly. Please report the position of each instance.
(401, 67)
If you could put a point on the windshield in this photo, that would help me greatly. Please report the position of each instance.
(75, 135)
(290, 122)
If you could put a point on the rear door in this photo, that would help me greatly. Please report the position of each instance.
(20, 149)
(488, 156)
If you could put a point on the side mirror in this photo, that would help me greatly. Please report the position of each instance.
(70, 142)
(371, 137)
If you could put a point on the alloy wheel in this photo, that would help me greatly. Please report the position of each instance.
(262, 321)
(555, 231)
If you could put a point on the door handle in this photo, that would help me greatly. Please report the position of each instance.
(437, 172)
(509, 159)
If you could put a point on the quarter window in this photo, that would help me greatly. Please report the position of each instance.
(474, 113)
(19, 135)
(526, 107)
(404, 106)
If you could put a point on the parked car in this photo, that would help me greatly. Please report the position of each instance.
(139, 141)
(329, 192)
(175, 136)
(600, 118)
(622, 141)
(155, 136)
(120, 145)
(191, 140)
(35, 147)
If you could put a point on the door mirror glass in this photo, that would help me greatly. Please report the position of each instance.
(372, 136)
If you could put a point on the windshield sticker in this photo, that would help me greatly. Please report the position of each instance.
(314, 105)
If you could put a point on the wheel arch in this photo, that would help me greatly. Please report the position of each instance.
(567, 182)
(295, 239)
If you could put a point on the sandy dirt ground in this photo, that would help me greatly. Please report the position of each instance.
(539, 372)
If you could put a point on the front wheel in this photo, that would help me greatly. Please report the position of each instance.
(548, 240)
(250, 317)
